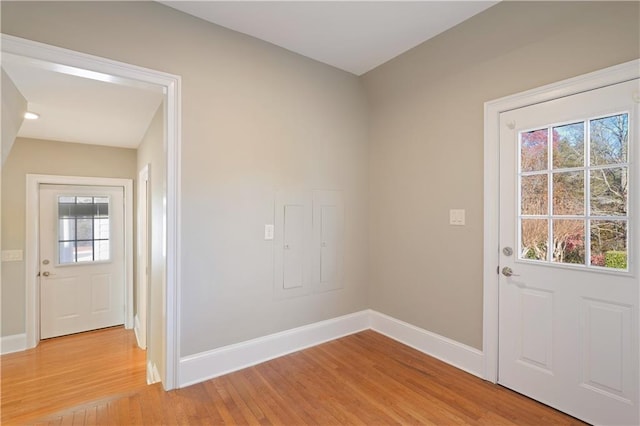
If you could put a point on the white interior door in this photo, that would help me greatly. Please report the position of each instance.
(568, 310)
(82, 277)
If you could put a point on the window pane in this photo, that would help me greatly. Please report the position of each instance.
(534, 195)
(609, 139)
(85, 229)
(101, 250)
(66, 252)
(533, 150)
(534, 239)
(568, 193)
(101, 229)
(609, 191)
(568, 241)
(66, 229)
(102, 208)
(609, 243)
(568, 146)
(84, 200)
(85, 251)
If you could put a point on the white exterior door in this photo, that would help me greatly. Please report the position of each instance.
(82, 276)
(568, 310)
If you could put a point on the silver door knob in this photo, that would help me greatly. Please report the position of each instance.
(508, 272)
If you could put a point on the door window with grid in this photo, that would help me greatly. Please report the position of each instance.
(83, 229)
(573, 187)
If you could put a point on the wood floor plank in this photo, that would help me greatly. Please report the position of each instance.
(70, 370)
(365, 378)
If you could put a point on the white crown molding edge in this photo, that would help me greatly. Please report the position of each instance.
(227, 359)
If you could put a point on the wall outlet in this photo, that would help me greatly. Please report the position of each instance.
(268, 232)
(456, 217)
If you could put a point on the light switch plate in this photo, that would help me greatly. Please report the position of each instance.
(11, 255)
(268, 232)
(456, 217)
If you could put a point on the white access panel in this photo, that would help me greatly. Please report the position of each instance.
(292, 237)
(293, 253)
(328, 252)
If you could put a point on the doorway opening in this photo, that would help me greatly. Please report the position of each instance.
(95, 68)
(35, 183)
(85, 255)
(510, 256)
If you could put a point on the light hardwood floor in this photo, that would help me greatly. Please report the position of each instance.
(365, 378)
(63, 372)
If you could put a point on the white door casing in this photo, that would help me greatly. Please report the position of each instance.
(492, 110)
(142, 257)
(32, 250)
(94, 67)
(82, 283)
(568, 332)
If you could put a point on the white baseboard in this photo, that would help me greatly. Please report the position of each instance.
(153, 376)
(14, 343)
(207, 365)
(454, 353)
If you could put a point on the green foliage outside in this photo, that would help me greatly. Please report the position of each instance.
(615, 259)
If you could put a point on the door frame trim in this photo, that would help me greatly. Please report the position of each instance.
(91, 66)
(32, 244)
(141, 319)
(492, 110)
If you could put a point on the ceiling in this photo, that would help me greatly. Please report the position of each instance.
(355, 36)
(81, 107)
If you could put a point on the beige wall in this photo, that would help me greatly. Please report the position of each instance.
(14, 105)
(32, 156)
(256, 119)
(427, 145)
(152, 152)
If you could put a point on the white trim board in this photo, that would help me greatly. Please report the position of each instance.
(492, 110)
(207, 365)
(453, 353)
(137, 330)
(32, 222)
(152, 373)
(13, 343)
(94, 67)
